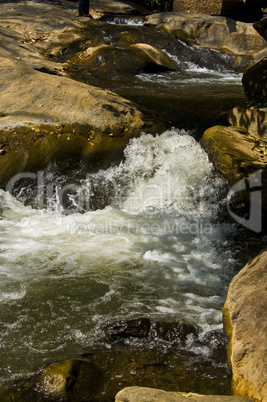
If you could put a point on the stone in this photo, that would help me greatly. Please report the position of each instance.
(252, 119)
(261, 27)
(236, 9)
(240, 158)
(218, 33)
(105, 60)
(255, 81)
(30, 96)
(149, 329)
(245, 324)
(100, 8)
(142, 394)
(74, 379)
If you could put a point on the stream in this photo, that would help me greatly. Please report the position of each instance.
(149, 238)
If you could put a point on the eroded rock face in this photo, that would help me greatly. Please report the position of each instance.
(253, 119)
(236, 9)
(218, 33)
(141, 394)
(246, 327)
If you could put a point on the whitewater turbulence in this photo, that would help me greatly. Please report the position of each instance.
(155, 248)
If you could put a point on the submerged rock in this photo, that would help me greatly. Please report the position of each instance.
(138, 352)
(246, 327)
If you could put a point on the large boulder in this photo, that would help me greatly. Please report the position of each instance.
(236, 9)
(30, 96)
(218, 33)
(142, 394)
(246, 327)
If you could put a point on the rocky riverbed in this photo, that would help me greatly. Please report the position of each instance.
(63, 100)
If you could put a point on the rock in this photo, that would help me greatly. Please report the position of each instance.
(245, 324)
(100, 8)
(255, 81)
(74, 379)
(141, 394)
(261, 27)
(252, 119)
(240, 10)
(151, 330)
(218, 33)
(107, 61)
(31, 96)
(241, 159)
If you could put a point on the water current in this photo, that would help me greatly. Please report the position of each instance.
(141, 239)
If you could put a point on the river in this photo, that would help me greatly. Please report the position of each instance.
(145, 238)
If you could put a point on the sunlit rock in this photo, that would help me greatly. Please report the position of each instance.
(218, 33)
(105, 60)
(246, 326)
(236, 9)
(252, 119)
(238, 156)
(141, 394)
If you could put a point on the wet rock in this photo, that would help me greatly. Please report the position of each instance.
(151, 330)
(219, 33)
(245, 323)
(74, 379)
(105, 60)
(255, 82)
(141, 394)
(100, 375)
(240, 158)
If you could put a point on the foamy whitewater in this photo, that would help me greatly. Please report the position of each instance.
(155, 249)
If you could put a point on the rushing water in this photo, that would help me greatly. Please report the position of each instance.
(142, 239)
(155, 250)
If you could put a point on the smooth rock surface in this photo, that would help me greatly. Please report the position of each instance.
(246, 327)
(141, 394)
(218, 33)
(30, 96)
